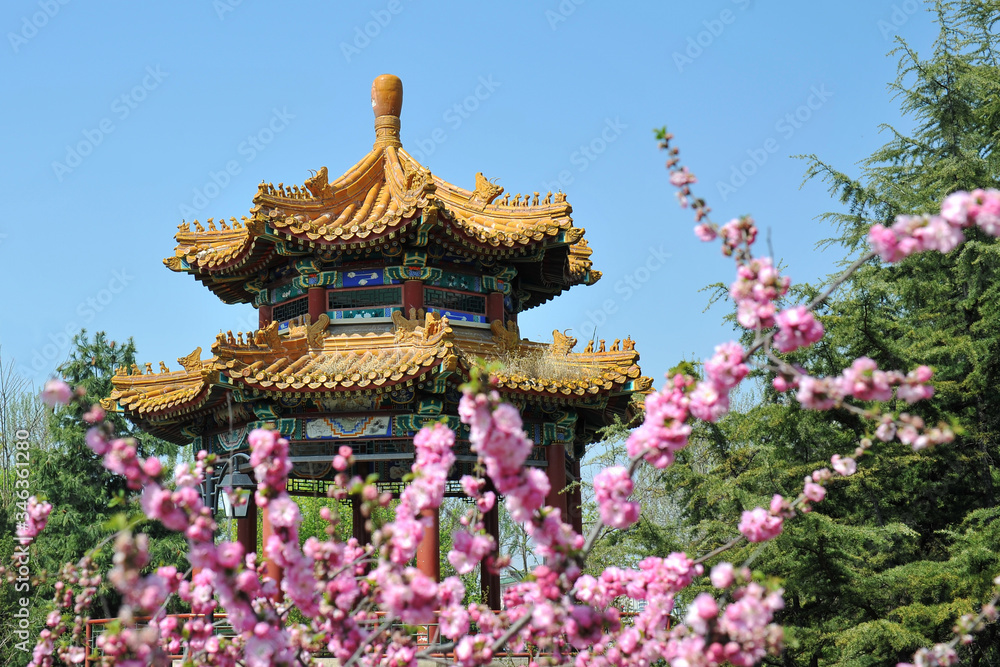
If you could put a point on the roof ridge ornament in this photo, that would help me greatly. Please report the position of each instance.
(387, 102)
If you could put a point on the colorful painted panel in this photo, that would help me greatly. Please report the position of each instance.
(359, 313)
(365, 278)
(327, 428)
(285, 292)
(234, 439)
(460, 281)
(459, 316)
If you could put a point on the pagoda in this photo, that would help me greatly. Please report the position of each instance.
(378, 293)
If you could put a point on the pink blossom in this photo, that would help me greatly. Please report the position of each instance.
(152, 466)
(722, 575)
(708, 403)
(797, 327)
(612, 488)
(984, 209)
(663, 432)
(938, 235)
(283, 512)
(36, 517)
(56, 392)
(726, 368)
(914, 387)
(96, 441)
(705, 232)
(885, 243)
(94, 415)
(845, 466)
(814, 492)
(758, 525)
(865, 381)
(682, 177)
(819, 393)
(955, 209)
(469, 550)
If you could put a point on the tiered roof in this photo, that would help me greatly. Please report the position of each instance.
(385, 204)
(384, 198)
(420, 350)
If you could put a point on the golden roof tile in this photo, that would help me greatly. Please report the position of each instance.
(417, 348)
(387, 194)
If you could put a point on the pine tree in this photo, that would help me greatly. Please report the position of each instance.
(898, 551)
(84, 495)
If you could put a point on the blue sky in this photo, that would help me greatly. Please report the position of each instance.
(120, 118)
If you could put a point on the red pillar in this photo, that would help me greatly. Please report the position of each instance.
(429, 555)
(576, 499)
(317, 302)
(490, 581)
(413, 296)
(555, 454)
(263, 316)
(494, 306)
(246, 527)
(429, 549)
(272, 569)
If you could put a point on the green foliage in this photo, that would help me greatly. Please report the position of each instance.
(64, 471)
(898, 551)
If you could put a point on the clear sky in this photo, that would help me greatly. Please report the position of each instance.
(120, 119)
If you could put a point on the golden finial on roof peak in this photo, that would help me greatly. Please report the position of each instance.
(387, 103)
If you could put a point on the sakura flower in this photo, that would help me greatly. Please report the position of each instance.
(845, 466)
(612, 487)
(797, 327)
(758, 525)
(56, 392)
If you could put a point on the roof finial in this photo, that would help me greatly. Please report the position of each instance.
(387, 102)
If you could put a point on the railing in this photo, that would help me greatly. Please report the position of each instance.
(426, 635)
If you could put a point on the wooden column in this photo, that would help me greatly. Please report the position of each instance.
(263, 316)
(358, 530)
(413, 296)
(429, 549)
(576, 499)
(317, 302)
(246, 527)
(555, 454)
(429, 556)
(272, 569)
(494, 306)
(490, 581)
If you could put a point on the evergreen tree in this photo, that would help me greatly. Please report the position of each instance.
(84, 495)
(898, 551)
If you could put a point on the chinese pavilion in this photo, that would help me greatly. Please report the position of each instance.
(377, 294)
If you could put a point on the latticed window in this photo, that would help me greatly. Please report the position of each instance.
(446, 300)
(290, 309)
(365, 298)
